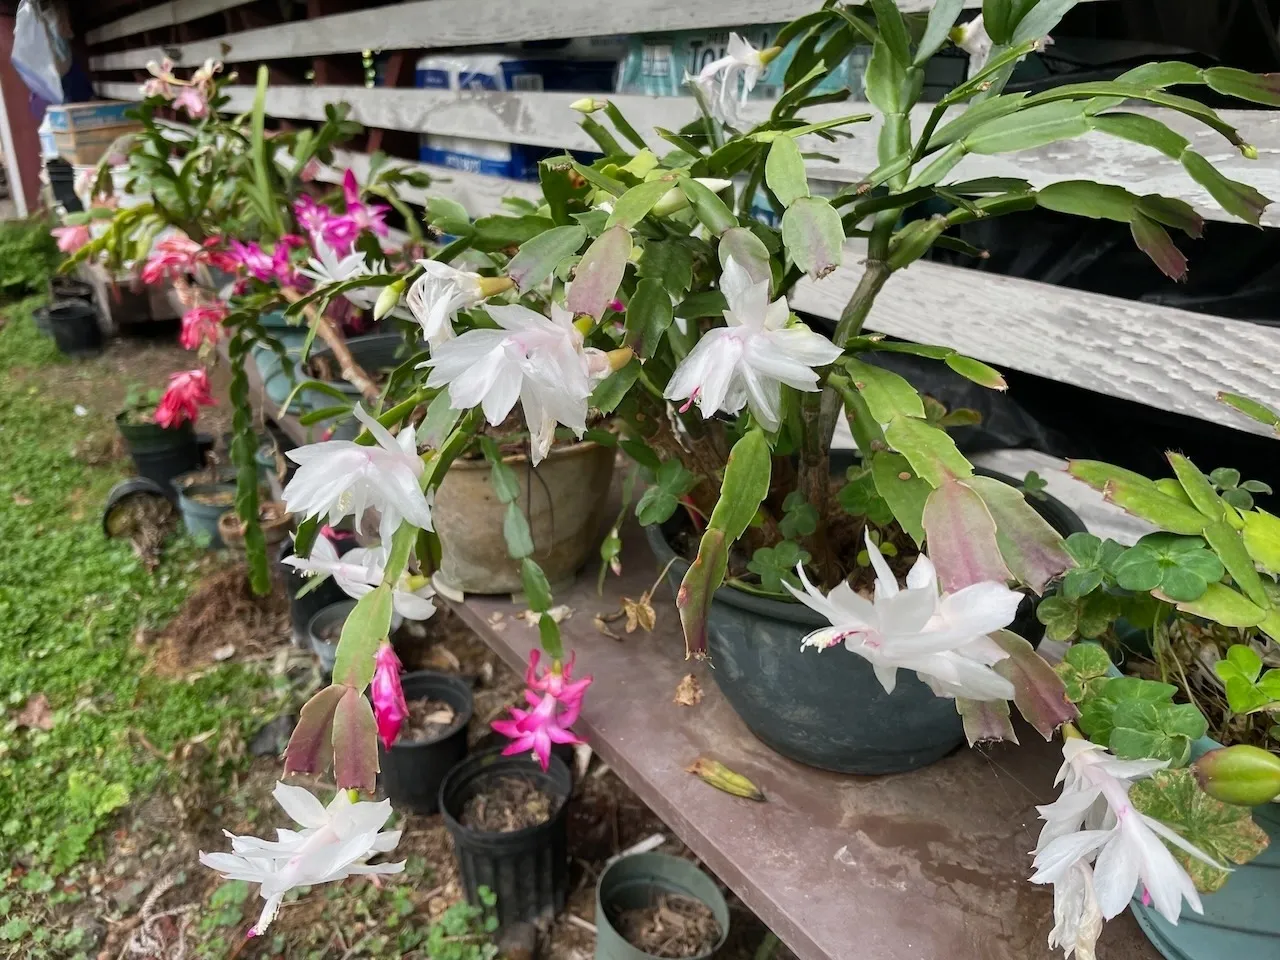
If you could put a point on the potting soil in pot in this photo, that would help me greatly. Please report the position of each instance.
(332, 632)
(506, 804)
(672, 926)
(427, 720)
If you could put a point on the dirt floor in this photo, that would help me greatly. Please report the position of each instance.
(146, 897)
(150, 893)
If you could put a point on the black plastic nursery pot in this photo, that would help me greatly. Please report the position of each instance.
(160, 453)
(826, 710)
(528, 870)
(303, 608)
(69, 288)
(410, 773)
(636, 882)
(74, 326)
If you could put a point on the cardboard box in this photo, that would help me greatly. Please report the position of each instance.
(68, 117)
(86, 146)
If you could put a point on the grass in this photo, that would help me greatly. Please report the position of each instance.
(71, 602)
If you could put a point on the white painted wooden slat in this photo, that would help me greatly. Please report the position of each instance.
(1159, 356)
(545, 119)
(480, 194)
(457, 23)
(162, 15)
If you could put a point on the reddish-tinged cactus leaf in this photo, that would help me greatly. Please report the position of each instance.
(961, 537)
(985, 720)
(542, 254)
(311, 745)
(599, 272)
(693, 600)
(1154, 240)
(1031, 548)
(1038, 692)
(355, 743)
(813, 235)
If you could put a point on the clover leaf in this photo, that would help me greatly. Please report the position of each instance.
(1088, 616)
(1240, 495)
(1143, 730)
(1248, 689)
(1181, 568)
(800, 518)
(660, 500)
(777, 565)
(1223, 831)
(1094, 558)
(860, 498)
(1097, 711)
(1083, 668)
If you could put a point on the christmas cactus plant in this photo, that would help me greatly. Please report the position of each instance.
(639, 303)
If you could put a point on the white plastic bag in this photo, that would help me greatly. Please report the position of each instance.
(33, 55)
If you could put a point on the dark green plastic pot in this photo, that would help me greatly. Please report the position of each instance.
(635, 882)
(821, 708)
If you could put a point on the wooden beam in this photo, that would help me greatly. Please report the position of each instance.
(159, 16)
(1159, 356)
(453, 23)
(544, 119)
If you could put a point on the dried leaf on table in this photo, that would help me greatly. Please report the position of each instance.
(602, 625)
(716, 774)
(640, 613)
(689, 691)
(558, 613)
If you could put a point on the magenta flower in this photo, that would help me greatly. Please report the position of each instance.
(312, 216)
(556, 701)
(202, 324)
(367, 216)
(72, 238)
(187, 392)
(174, 256)
(274, 267)
(389, 709)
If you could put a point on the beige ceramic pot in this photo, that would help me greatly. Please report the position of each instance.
(564, 497)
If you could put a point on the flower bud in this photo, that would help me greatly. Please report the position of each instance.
(673, 201)
(388, 299)
(492, 286)
(389, 708)
(587, 105)
(619, 358)
(1244, 775)
(1249, 151)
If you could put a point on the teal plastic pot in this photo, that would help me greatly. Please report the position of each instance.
(827, 709)
(636, 882)
(277, 376)
(199, 517)
(1242, 919)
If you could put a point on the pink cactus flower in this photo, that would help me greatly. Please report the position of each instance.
(71, 238)
(202, 324)
(367, 216)
(187, 392)
(389, 708)
(174, 256)
(556, 701)
(192, 100)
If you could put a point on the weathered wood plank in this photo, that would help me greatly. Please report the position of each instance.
(454, 23)
(544, 119)
(154, 18)
(1160, 356)
(479, 193)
